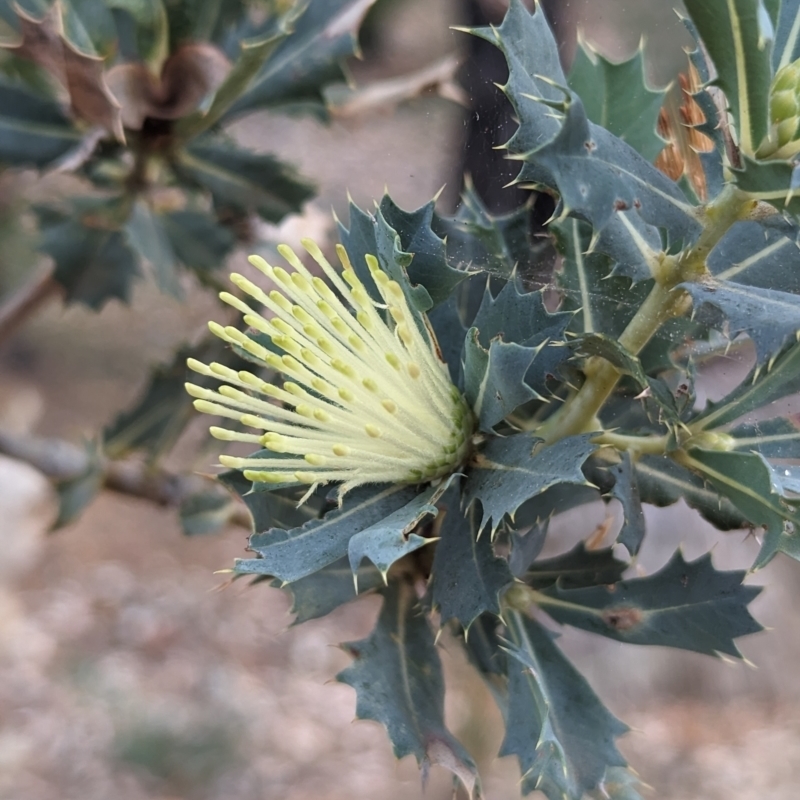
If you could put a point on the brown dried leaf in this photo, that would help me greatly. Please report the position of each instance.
(81, 75)
(188, 76)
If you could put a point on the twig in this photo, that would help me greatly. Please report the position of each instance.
(23, 302)
(63, 461)
(386, 94)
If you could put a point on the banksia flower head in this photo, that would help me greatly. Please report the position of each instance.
(783, 139)
(365, 398)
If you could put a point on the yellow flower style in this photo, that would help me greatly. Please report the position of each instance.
(366, 397)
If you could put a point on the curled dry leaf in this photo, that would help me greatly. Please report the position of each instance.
(81, 75)
(188, 76)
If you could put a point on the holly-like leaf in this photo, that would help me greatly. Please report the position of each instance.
(198, 241)
(769, 317)
(773, 438)
(293, 554)
(467, 577)
(497, 244)
(626, 490)
(317, 595)
(277, 508)
(738, 35)
(297, 70)
(603, 180)
(688, 605)
(93, 264)
(598, 177)
(746, 480)
(576, 568)
(151, 29)
(147, 235)
(430, 266)
(207, 512)
(764, 385)
(603, 302)
(514, 347)
(535, 73)
(61, 43)
(386, 541)
(616, 96)
(620, 784)
(559, 730)
(775, 182)
(34, 131)
(518, 316)
(510, 470)
(253, 53)
(159, 416)
(662, 482)
(760, 254)
(242, 179)
(495, 379)
(398, 680)
(786, 48)
(450, 332)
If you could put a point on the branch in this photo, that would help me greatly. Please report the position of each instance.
(22, 303)
(63, 461)
(384, 95)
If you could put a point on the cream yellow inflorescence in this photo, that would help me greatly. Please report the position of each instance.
(365, 396)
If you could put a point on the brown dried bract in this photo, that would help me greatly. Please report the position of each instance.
(677, 123)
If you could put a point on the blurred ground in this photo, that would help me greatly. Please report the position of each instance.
(125, 674)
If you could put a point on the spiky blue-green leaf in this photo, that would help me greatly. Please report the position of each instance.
(391, 538)
(296, 72)
(617, 97)
(34, 131)
(430, 266)
(746, 479)
(739, 35)
(760, 254)
(495, 243)
(688, 605)
(242, 179)
(293, 554)
(661, 482)
(626, 490)
(398, 680)
(467, 576)
(773, 438)
(317, 595)
(771, 318)
(508, 471)
(495, 378)
(557, 727)
(577, 568)
(787, 35)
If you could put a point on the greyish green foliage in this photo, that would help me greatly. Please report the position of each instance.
(542, 381)
(579, 391)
